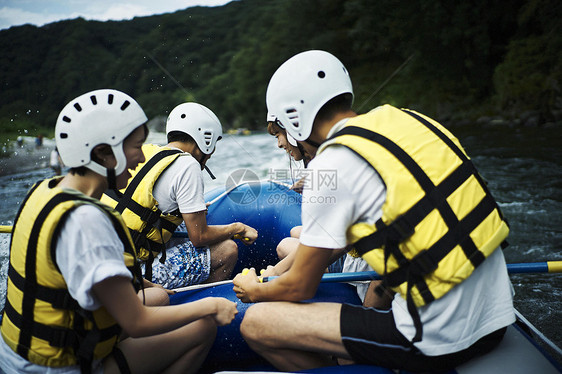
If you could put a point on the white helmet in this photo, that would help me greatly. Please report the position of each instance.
(98, 117)
(197, 121)
(271, 117)
(291, 140)
(301, 86)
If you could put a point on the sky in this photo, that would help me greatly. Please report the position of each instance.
(41, 12)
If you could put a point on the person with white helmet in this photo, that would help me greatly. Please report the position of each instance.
(286, 247)
(71, 305)
(286, 141)
(411, 203)
(167, 191)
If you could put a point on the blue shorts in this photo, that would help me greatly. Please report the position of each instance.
(337, 266)
(185, 265)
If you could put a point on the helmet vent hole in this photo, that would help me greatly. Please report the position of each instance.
(183, 116)
(125, 105)
(208, 137)
(293, 116)
(66, 119)
(321, 74)
(110, 99)
(78, 107)
(63, 135)
(94, 99)
(302, 101)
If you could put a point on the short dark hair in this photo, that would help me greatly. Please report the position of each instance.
(179, 136)
(338, 104)
(81, 171)
(273, 128)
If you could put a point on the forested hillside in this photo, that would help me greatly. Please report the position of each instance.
(447, 59)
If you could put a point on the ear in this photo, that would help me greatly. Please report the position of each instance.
(103, 155)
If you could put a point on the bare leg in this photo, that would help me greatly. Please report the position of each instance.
(180, 351)
(223, 259)
(286, 246)
(154, 296)
(294, 336)
(296, 232)
(373, 300)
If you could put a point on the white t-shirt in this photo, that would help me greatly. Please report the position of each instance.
(88, 252)
(181, 186)
(478, 306)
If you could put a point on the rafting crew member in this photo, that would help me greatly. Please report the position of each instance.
(412, 205)
(71, 304)
(296, 153)
(287, 247)
(168, 190)
(55, 162)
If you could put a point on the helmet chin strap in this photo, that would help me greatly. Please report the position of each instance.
(210, 173)
(303, 153)
(312, 143)
(206, 167)
(111, 179)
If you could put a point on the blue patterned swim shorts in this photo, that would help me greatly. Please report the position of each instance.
(185, 265)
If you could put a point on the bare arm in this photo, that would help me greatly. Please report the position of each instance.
(118, 297)
(284, 265)
(202, 234)
(298, 283)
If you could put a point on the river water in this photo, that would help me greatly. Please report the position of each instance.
(523, 167)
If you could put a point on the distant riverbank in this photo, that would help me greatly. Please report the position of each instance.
(27, 157)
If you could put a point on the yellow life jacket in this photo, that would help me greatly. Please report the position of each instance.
(150, 228)
(41, 321)
(439, 221)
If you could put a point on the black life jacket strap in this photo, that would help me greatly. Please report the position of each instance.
(434, 196)
(424, 262)
(30, 287)
(121, 361)
(32, 290)
(59, 337)
(127, 196)
(58, 298)
(457, 151)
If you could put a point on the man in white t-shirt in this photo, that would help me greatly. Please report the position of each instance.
(171, 180)
(402, 191)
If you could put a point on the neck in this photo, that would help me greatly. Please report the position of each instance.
(92, 184)
(321, 129)
(188, 147)
(184, 146)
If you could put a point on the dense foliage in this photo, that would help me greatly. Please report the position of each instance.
(447, 59)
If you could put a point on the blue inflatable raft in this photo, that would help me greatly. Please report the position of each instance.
(273, 209)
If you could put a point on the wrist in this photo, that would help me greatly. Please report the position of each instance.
(211, 306)
(237, 228)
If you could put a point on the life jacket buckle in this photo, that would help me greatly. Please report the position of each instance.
(150, 216)
(399, 230)
(422, 264)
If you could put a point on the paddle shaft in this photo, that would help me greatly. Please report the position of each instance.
(529, 267)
